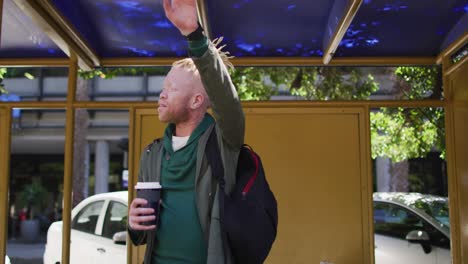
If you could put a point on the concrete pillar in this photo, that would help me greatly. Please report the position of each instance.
(101, 167)
(382, 166)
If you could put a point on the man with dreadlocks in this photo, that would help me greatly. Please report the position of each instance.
(188, 230)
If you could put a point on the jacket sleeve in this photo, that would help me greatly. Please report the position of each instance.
(136, 236)
(225, 102)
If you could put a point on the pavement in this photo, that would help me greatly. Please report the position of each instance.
(21, 252)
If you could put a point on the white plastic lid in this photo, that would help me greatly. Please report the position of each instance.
(148, 185)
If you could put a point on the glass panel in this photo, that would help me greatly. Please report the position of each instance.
(401, 28)
(115, 220)
(36, 186)
(87, 218)
(33, 84)
(22, 37)
(292, 28)
(411, 189)
(100, 173)
(136, 28)
(121, 84)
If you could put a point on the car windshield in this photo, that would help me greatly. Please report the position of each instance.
(437, 208)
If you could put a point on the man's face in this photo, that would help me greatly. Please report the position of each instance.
(174, 100)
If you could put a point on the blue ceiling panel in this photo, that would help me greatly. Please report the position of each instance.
(460, 29)
(401, 27)
(131, 28)
(22, 38)
(269, 28)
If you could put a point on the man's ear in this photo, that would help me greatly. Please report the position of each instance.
(197, 101)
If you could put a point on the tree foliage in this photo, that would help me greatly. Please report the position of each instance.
(405, 133)
(396, 133)
(109, 73)
(3, 71)
(311, 83)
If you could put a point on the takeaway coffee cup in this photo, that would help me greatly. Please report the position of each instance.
(150, 191)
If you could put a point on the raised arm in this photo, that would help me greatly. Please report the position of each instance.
(214, 74)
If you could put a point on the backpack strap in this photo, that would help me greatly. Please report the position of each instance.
(217, 169)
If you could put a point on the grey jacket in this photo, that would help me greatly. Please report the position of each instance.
(230, 125)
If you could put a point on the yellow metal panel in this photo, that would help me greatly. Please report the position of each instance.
(5, 123)
(146, 128)
(457, 153)
(313, 160)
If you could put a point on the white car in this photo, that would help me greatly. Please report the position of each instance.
(98, 232)
(411, 228)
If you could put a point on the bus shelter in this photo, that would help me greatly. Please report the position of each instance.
(310, 137)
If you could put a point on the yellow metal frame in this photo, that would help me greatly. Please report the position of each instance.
(263, 104)
(341, 30)
(367, 197)
(454, 214)
(456, 228)
(456, 66)
(245, 61)
(68, 168)
(39, 62)
(83, 47)
(279, 61)
(454, 47)
(5, 125)
(203, 17)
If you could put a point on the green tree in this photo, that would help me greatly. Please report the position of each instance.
(405, 133)
(397, 133)
(311, 83)
(3, 71)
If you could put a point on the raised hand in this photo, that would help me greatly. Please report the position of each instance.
(183, 14)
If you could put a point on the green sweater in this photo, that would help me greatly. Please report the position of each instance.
(179, 238)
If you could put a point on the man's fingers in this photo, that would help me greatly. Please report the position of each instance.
(144, 218)
(138, 201)
(141, 211)
(142, 227)
(136, 222)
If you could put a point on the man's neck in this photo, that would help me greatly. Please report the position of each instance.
(185, 129)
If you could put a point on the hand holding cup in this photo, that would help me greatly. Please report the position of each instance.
(144, 210)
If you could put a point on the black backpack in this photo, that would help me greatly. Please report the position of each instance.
(249, 214)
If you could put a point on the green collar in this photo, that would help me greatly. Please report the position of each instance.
(201, 128)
